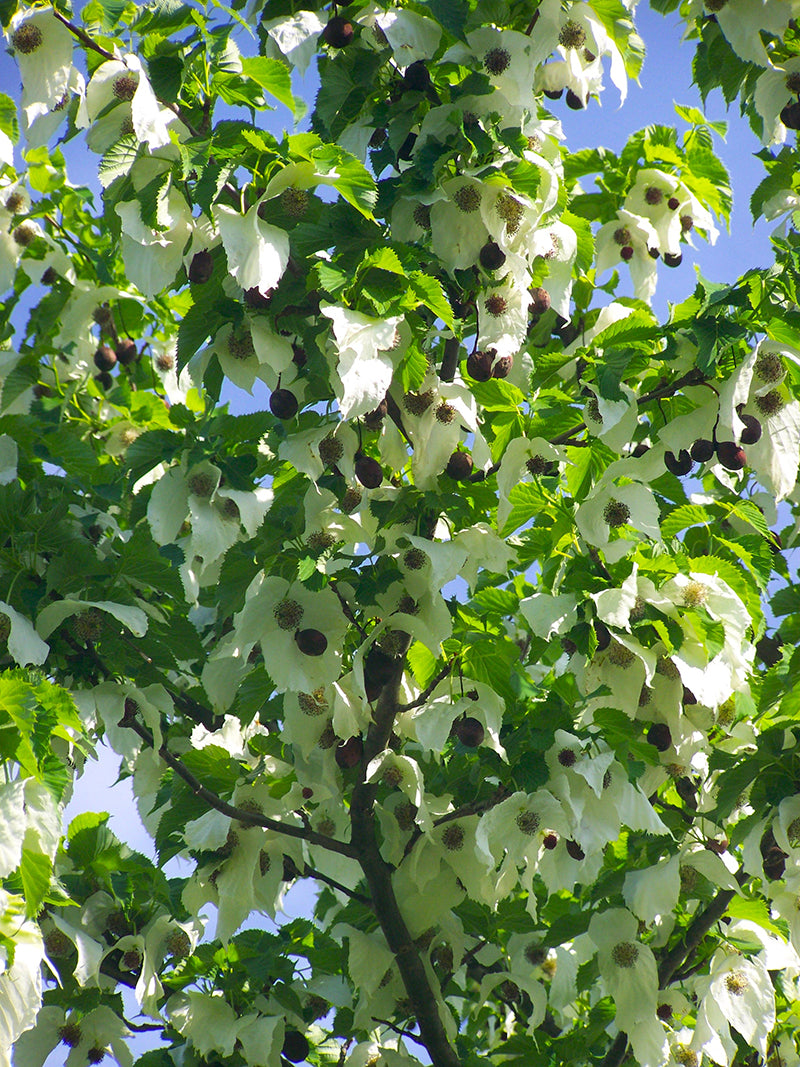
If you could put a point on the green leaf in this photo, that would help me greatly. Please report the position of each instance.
(35, 872)
(452, 14)
(786, 601)
(141, 564)
(198, 324)
(272, 75)
(215, 768)
(429, 291)
(422, 662)
(491, 660)
(166, 75)
(8, 115)
(150, 449)
(118, 160)
(526, 501)
(682, 518)
(583, 231)
(612, 371)
(348, 176)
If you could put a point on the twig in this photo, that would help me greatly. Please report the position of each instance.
(399, 1030)
(141, 1028)
(477, 807)
(251, 818)
(532, 23)
(348, 612)
(83, 36)
(426, 692)
(692, 377)
(396, 415)
(311, 872)
(87, 42)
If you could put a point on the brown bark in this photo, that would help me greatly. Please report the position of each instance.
(378, 875)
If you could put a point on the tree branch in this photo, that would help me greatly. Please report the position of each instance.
(251, 818)
(87, 42)
(398, 1030)
(83, 36)
(311, 872)
(426, 692)
(616, 1054)
(475, 807)
(668, 967)
(379, 879)
(695, 932)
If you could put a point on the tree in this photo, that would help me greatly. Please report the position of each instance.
(469, 615)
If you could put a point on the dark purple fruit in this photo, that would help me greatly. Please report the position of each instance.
(574, 102)
(311, 642)
(603, 635)
(540, 300)
(659, 736)
(774, 858)
(283, 404)
(626, 252)
(299, 357)
(575, 850)
(126, 352)
(368, 471)
(752, 430)
(702, 450)
(687, 791)
(349, 753)
(459, 466)
(338, 33)
(201, 267)
(731, 455)
(104, 380)
(673, 203)
(105, 358)
(417, 77)
(550, 840)
(479, 366)
(768, 650)
(790, 115)
(257, 300)
(406, 149)
(553, 94)
(680, 464)
(373, 420)
(673, 259)
(501, 368)
(688, 696)
(469, 731)
(491, 256)
(295, 1046)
